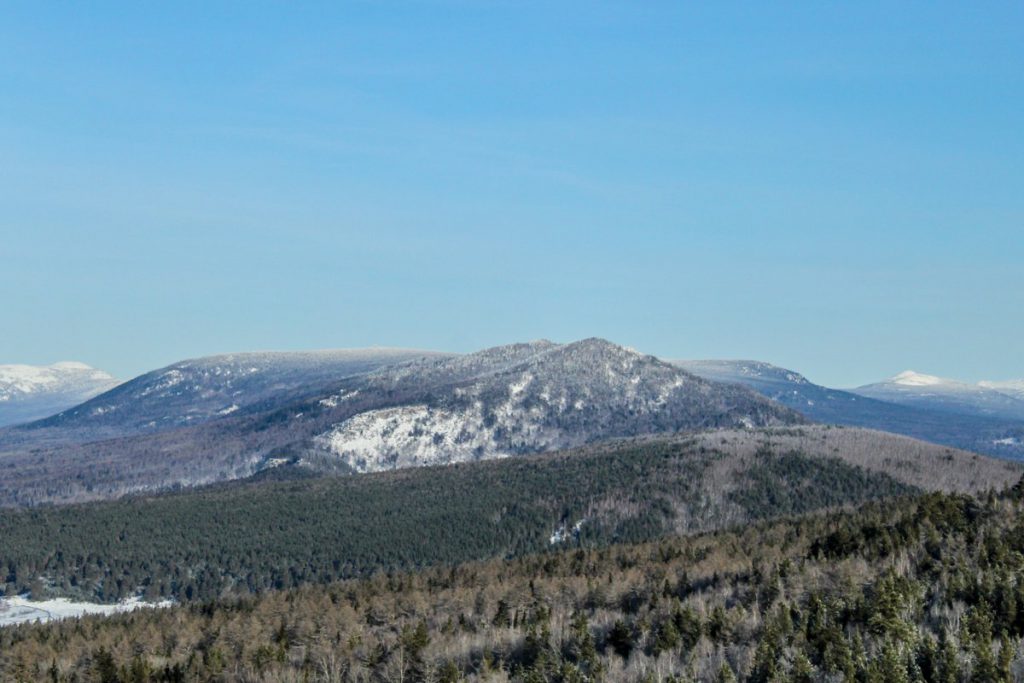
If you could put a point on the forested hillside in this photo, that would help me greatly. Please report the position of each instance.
(241, 538)
(924, 588)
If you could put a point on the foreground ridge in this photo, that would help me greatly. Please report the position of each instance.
(924, 587)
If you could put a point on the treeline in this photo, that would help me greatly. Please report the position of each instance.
(917, 589)
(247, 538)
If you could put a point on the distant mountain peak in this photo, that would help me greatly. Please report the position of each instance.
(1012, 385)
(910, 378)
(741, 371)
(71, 365)
(196, 390)
(947, 395)
(29, 392)
(526, 398)
(26, 379)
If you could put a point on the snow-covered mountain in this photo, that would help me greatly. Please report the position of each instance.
(946, 423)
(198, 390)
(500, 402)
(30, 392)
(779, 384)
(1013, 387)
(529, 398)
(749, 372)
(936, 393)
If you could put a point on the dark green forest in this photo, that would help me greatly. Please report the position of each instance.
(256, 536)
(925, 588)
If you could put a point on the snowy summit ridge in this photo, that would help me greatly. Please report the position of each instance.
(29, 392)
(910, 378)
(984, 399)
(527, 398)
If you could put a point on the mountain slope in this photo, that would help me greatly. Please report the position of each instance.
(921, 588)
(203, 389)
(31, 392)
(533, 398)
(1013, 387)
(935, 393)
(505, 401)
(254, 535)
(989, 435)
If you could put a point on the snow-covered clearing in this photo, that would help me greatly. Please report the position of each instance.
(20, 609)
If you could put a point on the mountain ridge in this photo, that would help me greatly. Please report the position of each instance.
(499, 402)
(31, 392)
(987, 434)
(938, 393)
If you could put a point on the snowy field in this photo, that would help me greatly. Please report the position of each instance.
(20, 609)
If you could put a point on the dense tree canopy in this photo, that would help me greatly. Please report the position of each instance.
(927, 588)
(272, 535)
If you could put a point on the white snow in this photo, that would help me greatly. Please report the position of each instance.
(516, 388)
(71, 365)
(20, 609)
(1008, 384)
(928, 390)
(169, 379)
(563, 534)
(553, 400)
(410, 436)
(909, 378)
(29, 379)
(334, 401)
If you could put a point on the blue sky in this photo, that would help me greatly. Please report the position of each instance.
(834, 187)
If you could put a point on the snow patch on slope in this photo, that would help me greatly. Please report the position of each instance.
(563, 533)
(20, 609)
(411, 436)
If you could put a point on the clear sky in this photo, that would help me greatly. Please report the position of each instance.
(834, 187)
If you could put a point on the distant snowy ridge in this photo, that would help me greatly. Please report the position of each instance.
(199, 390)
(29, 392)
(1013, 387)
(909, 378)
(912, 378)
(989, 399)
(18, 380)
(986, 417)
(738, 370)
